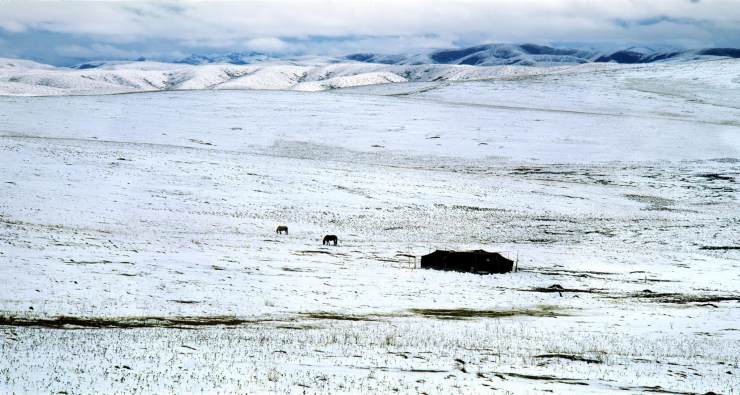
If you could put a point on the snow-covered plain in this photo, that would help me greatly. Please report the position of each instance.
(147, 221)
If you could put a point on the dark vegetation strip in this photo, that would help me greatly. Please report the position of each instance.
(676, 298)
(191, 322)
(560, 289)
(563, 380)
(658, 390)
(570, 357)
(63, 322)
(320, 315)
(462, 314)
(658, 297)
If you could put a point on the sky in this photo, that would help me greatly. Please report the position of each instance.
(70, 32)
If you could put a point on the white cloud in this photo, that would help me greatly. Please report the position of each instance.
(12, 26)
(251, 20)
(379, 25)
(95, 50)
(266, 44)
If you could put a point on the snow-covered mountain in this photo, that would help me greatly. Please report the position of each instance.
(541, 55)
(642, 55)
(231, 58)
(490, 55)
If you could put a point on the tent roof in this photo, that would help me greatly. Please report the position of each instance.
(475, 252)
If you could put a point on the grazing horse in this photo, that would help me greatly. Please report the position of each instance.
(281, 229)
(330, 238)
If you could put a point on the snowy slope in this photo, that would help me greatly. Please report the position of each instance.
(7, 64)
(147, 222)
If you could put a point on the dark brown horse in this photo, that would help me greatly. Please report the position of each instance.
(281, 229)
(330, 238)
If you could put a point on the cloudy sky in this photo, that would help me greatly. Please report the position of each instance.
(68, 32)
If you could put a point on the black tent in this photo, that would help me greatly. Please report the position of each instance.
(476, 261)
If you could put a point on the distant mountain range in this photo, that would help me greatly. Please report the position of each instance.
(230, 58)
(541, 55)
(492, 55)
(27, 78)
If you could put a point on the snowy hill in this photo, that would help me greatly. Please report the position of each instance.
(16, 64)
(33, 79)
(26, 78)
